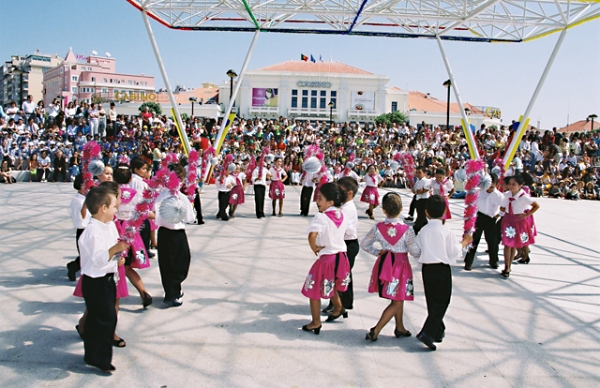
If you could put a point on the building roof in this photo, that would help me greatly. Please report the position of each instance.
(316, 67)
(422, 102)
(70, 57)
(580, 126)
(203, 94)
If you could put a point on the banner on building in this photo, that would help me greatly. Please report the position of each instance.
(363, 100)
(266, 97)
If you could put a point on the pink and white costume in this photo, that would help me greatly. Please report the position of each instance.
(392, 275)
(442, 189)
(331, 271)
(371, 195)
(236, 196)
(277, 189)
(517, 232)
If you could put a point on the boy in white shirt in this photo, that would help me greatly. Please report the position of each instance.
(439, 249)
(224, 184)
(76, 209)
(421, 190)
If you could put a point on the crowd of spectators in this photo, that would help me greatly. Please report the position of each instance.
(47, 142)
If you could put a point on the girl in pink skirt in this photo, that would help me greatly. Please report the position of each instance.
(236, 196)
(443, 187)
(516, 227)
(370, 194)
(277, 189)
(331, 272)
(391, 276)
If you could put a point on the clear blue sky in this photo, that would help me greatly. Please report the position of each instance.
(500, 75)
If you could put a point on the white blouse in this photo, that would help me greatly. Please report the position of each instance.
(521, 201)
(329, 236)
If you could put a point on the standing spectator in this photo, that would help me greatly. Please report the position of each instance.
(94, 119)
(28, 107)
(60, 166)
(101, 121)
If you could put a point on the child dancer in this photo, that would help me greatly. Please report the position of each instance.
(100, 251)
(488, 209)
(259, 179)
(277, 189)
(173, 248)
(516, 226)
(391, 276)
(237, 192)
(141, 169)
(307, 180)
(224, 184)
(331, 272)
(443, 187)
(349, 187)
(79, 221)
(421, 190)
(371, 195)
(439, 249)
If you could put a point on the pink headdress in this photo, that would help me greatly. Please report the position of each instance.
(191, 176)
(91, 152)
(261, 161)
(251, 166)
(206, 157)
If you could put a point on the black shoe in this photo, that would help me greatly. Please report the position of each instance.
(331, 317)
(440, 338)
(103, 368)
(225, 219)
(78, 332)
(199, 222)
(371, 335)
(524, 261)
(467, 268)
(146, 300)
(71, 274)
(494, 265)
(119, 343)
(328, 310)
(151, 255)
(409, 218)
(505, 274)
(400, 334)
(427, 340)
(315, 330)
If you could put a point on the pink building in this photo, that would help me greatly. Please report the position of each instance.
(94, 80)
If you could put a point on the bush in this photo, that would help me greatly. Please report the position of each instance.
(152, 107)
(391, 118)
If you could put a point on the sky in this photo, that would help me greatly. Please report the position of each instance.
(498, 75)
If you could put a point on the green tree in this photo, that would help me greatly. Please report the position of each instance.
(391, 118)
(152, 107)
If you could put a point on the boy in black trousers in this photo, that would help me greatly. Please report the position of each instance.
(439, 249)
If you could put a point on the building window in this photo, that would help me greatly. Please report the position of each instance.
(93, 79)
(111, 80)
(333, 93)
(74, 78)
(74, 89)
(104, 90)
(313, 99)
(104, 80)
(323, 93)
(394, 106)
(323, 103)
(81, 90)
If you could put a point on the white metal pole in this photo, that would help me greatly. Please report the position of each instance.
(517, 138)
(163, 72)
(235, 92)
(468, 133)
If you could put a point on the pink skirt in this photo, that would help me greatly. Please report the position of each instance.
(531, 221)
(237, 195)
(121, 283)
(140, 256)
(516, 232)
(277, 190)
(392, 277)
(447, 214)
(328, 273)
(370, 195)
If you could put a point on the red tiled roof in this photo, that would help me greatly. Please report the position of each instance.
(318, 67)
(580, 126)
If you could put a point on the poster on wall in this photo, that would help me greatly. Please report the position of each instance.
(266, 97)
(363, 100)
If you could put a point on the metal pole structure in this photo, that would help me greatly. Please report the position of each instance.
(235, 92)
(468, 134)
(163, 72)
(448, 83)
(508, 156)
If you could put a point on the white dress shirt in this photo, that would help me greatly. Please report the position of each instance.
(423, 183)
(75, 209)
(308, 179)
(438, 244)
(226, 183)
(437, 186)
(329, 236)
(372, 180)
(189, 211)
(351, 217)
(94, 245)
(277, 175)
(521, 201)
(263, 178)
(489, 203)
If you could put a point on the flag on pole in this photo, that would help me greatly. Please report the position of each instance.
(312, 59)
(303, 57)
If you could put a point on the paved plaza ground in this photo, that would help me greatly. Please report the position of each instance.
(240, 322)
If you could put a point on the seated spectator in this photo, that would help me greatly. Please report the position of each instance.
(44, 167)
(573, 193)
(5, 173)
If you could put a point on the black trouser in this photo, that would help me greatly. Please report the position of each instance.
(259, 200)
(198, 206)
(145, 234)
(62, 172)
(75, 265)
(437, 282)
(347, 296)
(420, 205)
(223, 203)
(173, 261)
(305, 197)
(413, 206)
(100, 295)
(487, 225)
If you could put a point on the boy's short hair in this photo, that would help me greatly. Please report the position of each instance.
(122, 174)
(97, 197)
(78, 182)
(423, 169)
(392, 204)
(348, 184)
(112, 187)
(138, 162)
(436, 206)
(439, 171)
(178, 169)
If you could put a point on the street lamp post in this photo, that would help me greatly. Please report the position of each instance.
(592, 117)
(447, 84)
(192, 100)
(231, 74)
(330, 105)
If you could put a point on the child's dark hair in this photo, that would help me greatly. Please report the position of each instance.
(97, 197)
(332, 192)
(494, 179)
(112, 187)
(436, 206)
(78, 182)
(440, 171)
(517, 178)
(122, 174)
(392, 204)
(137, 163)
(423, 169)
(348, 184)
(178, 169)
